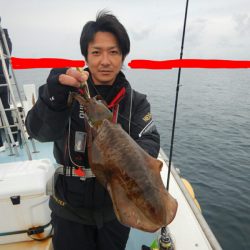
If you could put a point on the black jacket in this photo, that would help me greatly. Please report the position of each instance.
(49, 119)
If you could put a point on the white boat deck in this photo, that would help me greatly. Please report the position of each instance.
(29, 245)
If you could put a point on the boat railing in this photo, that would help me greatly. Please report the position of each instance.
(196, 211)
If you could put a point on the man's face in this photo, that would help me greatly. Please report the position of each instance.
(104, 58)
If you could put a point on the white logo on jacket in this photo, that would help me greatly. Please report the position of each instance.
(81, 112)
(148, 128)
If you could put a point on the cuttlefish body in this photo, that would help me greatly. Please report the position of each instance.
(130, 174)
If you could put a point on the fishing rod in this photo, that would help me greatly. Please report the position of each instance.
(176, 97)
(165, 240)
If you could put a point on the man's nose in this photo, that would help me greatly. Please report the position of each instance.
(105, 59)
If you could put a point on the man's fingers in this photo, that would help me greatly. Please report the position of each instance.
(69, 80)
(73, 77)
(81, 76)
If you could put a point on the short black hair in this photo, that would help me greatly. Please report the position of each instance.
(105, 22)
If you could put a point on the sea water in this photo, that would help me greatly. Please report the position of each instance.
(212, 138)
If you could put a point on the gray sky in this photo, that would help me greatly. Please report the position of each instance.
(216, 29)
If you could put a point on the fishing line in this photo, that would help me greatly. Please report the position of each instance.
(176, 97)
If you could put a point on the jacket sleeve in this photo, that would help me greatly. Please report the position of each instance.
(48, 118)
(143, 129)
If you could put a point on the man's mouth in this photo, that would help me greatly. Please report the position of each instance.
(105, 71)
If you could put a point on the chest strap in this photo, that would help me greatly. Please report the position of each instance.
(69, 171)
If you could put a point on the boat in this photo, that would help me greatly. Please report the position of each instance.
(189, 230)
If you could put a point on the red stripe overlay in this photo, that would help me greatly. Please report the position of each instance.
(188, 63)
(31, 63)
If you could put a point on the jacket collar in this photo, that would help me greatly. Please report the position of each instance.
(119, 84)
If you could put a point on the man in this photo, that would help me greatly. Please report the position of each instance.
(82, 212)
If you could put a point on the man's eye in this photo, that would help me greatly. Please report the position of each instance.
(95, 52)
(114, 52)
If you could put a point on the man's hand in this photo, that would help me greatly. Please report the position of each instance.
(73, 77)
